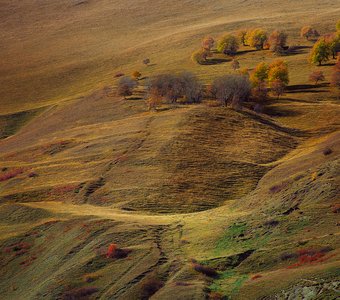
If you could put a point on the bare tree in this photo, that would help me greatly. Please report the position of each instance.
(146, 61)
(232, 89)
(316, 76)
(126, 86)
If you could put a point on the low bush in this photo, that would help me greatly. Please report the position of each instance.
(11, 174)
(309, 256)
(208, 271)
(150, 287)
(115, 252)
(257, 276)
(327, 151)
(80, 293)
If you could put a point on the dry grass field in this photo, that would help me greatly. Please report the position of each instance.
(202, 202)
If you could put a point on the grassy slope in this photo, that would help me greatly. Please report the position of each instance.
(125, 165)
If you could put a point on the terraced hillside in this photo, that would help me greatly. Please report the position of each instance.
(101, 198)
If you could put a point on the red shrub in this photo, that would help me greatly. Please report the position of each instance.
(11, 174)
(256, 277)
(336, 208)
(114, 252)
(309, 256)
(119, 74)
(111, 250)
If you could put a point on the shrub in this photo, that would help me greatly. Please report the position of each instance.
(114, 252)
(231, 89)
(316, 76)
(278, 70)
(170, 88)
(208, 271)
(119, 74)
(33, 174)
(259, 74)
(228, 45)
(200, 56)
(146, 61)
(308, 32)
(217, 296)
(327, 151)
(320, 52)
(336, 208)
(207, 43)
(126, 86)
(80, 293)
(241, 34)
(150, 287)
(136, 75)
(277, 87)
(333, 42)
(256, 277)
(257, 38)
(335, 79)
(235, 64)
(277, 41)
(11, 174)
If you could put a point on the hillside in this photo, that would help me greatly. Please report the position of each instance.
(203, 200)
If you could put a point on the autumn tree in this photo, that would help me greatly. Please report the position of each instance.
(228, 44)
(338, 26)
(259, 74)
(241, 34)
(333, 42)
(335, 78)
(257, 38)
(308, 32)
(258, 79)
(126, 86)
(232, 89)
(235, 64)
(136, 75)
(200, 56)
(207, 43)
(278, 87)
(316, 76)
(277, 41)
(278, 70)
(320, 52)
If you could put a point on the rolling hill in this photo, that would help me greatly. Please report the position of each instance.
(196, 201)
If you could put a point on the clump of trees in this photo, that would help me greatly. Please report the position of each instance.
(326, 46)
(231, 89)
(316, 76)
(308, 33)
(172, 88)
(126, 86)
(274, 75)
(256, 38)
(228, 44)
(200, 56)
